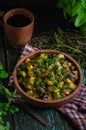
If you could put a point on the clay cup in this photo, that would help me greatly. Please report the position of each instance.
(18, 25)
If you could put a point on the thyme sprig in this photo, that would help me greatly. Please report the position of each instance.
(60, 41)
(73, 44)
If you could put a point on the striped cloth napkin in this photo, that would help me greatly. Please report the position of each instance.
(74, 110)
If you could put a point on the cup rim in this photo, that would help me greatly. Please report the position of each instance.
(20, 11)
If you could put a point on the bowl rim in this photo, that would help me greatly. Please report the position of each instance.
(34, 54)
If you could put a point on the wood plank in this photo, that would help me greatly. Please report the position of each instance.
(12, 55)
(2, 56)
(8, 4)
(57, 121)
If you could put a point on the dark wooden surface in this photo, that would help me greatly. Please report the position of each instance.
(23, 120)
(45, 20)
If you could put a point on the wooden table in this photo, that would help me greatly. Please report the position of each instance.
(22, 120)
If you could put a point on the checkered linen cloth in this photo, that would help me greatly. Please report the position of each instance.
(76, 109)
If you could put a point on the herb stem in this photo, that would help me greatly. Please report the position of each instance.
(76, 50)
(59, 41)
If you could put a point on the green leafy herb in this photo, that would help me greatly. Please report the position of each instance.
(3, 73)
(36, 71)
(6, 97)
(76, 9)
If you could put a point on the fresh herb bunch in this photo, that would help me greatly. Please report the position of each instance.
(6, 97)
(76, 10)
(68, 42)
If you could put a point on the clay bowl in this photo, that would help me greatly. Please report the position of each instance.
(44, 103)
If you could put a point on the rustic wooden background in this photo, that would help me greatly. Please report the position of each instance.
(47, 19)
(45, 12)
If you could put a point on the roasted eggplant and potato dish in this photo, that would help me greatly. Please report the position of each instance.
(47, 76)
